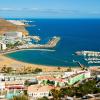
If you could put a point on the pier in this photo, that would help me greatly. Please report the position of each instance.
(51, 44)
(36, 38)
(92, 57)
(88, 53)
(40, 47)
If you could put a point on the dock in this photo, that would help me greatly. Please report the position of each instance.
(50, 44)
(88, 53)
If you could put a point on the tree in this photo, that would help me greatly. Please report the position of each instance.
(70, 91)
(69, 69)
(87, 88)
(43, 98)
(59, 68)
(18, 43)
(10, 45)
(6, 69)
(56, 94)
(21, 97)
(37, 70)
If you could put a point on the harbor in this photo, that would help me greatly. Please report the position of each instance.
(91, 57)
(88, 53)
(50, 44)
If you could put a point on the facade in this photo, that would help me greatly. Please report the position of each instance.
(48, 80)
(8, 89)
(2, 46)
(78, 77)
(69, 78)
(38, 91)
(2, 87)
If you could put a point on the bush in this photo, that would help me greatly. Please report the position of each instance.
(21, 97)
(6, 69)
(37, 70)
(44, 98)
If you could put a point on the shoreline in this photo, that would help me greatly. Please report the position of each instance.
(10, 62)
(18, 50)
(19, 65)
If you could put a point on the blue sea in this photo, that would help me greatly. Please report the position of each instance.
(76, 35)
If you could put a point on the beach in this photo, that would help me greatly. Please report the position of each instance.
(8, 62)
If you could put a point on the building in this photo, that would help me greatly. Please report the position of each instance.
(69, 78)
(45, 80)
(2, 90)
(13, 34)
(78, 77)
(38, 91)
(2, 46)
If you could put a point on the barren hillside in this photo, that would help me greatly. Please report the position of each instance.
(6, 26)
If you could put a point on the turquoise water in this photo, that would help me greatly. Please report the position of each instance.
(76, 35)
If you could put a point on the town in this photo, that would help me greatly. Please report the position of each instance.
(16, 41)
(38, 85)
(26, 83)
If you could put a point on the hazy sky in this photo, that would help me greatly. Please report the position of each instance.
(50, 8)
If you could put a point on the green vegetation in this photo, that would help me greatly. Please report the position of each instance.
(50, 82)
(83, 89)
(24, 70)
(37, 70)
(56, 94)
(43, 98)
(10, 45)
(21, 97)
(6, 69)
(13, 45)
(27, 83)
(88, 88)
(18, 43)
(69, 69)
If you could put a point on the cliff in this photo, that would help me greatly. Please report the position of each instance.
(6, 26)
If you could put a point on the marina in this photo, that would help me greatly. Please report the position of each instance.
(88, 53)
(91, 57)
(51, 44)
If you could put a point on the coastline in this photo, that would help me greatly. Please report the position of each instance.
(9, 62)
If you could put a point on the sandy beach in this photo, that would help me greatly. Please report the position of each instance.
(5, 61)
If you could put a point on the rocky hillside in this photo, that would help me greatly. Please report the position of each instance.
(6, 26)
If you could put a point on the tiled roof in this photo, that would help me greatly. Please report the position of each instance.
(39, 88)
(51, 78)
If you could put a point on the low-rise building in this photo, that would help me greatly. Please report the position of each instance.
(2, 46)
(78, 77)
(38, 91)
(2, 90)
(69, 78)
(13, 34)
(49, 80)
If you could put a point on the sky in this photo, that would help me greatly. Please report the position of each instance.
(50, 8)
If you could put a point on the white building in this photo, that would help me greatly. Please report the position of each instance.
(2, 46)
(2, 85)
(38, 91)
(13, 34)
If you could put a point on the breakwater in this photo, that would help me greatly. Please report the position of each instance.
(50, 44)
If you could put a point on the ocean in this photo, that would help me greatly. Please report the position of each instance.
(76, 35)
